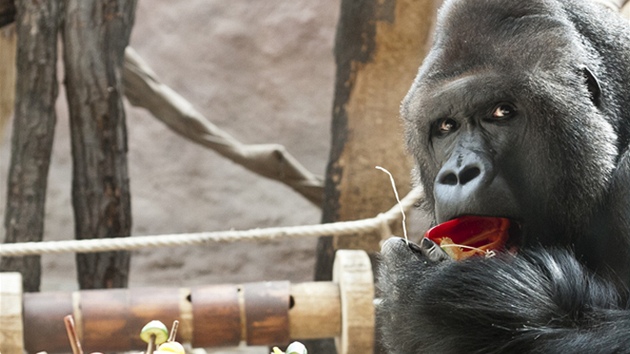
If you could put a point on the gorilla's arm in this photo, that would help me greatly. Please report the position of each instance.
(606, 247)
(542, 301)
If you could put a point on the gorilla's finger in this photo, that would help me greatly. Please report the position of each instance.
(395, 252)
(432, 251)
(391, 243)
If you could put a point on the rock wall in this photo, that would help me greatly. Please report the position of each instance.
(261, 70)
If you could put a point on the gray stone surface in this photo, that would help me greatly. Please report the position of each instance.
(261, 70)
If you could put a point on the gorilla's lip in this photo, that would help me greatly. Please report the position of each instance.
(470, 235)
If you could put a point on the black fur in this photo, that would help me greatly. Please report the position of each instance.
(542, 301)
(557, 161)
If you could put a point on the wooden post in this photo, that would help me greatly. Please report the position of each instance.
(95, 36)
(379, 47)
(33, 128)
(8, 47)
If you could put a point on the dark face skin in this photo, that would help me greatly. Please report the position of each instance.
(469, 141)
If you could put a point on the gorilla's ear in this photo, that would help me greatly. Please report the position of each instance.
(593, 86)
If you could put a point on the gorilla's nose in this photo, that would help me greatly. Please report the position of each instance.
(462, 176)
(461, 189)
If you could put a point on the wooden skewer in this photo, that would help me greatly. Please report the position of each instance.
(151, 345)
(171, 336)
(72, 335)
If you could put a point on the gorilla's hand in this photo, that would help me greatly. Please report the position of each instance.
(540, 299)
(404, 270)
(397, 250)
(404, 265)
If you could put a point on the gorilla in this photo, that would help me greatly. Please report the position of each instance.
(521, 110)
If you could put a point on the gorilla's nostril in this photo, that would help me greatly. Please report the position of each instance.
(449, 179)
(469, 174)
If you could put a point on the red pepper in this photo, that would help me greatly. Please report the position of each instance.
(481, 233)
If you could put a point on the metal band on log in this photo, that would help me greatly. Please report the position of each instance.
(261, 313)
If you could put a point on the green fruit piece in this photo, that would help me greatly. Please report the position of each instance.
(296, 348)
(154, 327)
(172, 347)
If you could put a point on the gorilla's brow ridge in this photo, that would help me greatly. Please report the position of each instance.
(467, 95)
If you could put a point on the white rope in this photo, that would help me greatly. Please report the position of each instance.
(275, 233)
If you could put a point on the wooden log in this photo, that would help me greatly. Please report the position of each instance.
(33, 130)
(311, 305)
(266, 309)
(95, 36)
(353, 272)
(218, 315)
(265, 313)
(43, 316)
(11, 327)
(105, 320)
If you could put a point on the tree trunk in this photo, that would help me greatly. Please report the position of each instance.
(95, 36)
(379, 47)
(31, 146)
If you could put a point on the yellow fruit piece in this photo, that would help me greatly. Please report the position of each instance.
(172, 347)
(154, 327)
(277, 350)
(452, 249)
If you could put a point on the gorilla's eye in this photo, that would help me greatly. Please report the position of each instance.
(446, 125)
(503, 111)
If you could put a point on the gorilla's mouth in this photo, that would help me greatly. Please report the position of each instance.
(470, 235)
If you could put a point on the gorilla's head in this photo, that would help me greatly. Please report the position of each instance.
(518, 111)
(507, 118)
